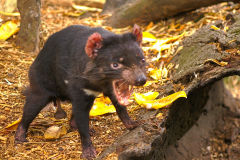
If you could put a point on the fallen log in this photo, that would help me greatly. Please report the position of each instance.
(206, 57)
(129, 12)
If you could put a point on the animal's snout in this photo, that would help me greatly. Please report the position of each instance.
(141, 80)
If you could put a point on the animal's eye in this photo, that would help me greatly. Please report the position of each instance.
(143, 60)
(116, 65)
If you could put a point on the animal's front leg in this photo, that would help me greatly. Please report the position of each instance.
(123, 115)
(81, 107)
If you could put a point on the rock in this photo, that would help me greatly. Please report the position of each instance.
(55, 132)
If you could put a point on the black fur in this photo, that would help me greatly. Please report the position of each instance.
(63, 69)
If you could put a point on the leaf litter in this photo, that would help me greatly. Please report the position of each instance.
(160, 43)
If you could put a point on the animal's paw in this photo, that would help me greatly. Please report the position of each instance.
(89, 153)
(20, 139)
(60, 114)
(132, 124)
(20, 135)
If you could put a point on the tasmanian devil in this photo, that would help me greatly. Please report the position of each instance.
(76, 64)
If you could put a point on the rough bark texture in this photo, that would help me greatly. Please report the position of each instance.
(218, 104)
(28, 36)
(128, 12)
(92, 3)
(111, 5)
(181, 134)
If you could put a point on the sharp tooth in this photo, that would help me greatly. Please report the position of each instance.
(130, 87)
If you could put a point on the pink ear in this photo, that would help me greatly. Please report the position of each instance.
(94, 43)
(138, 33)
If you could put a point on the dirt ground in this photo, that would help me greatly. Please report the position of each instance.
(14, 64)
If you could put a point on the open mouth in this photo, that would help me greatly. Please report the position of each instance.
(122, 91)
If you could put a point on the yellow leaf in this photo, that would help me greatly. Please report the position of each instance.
(139, 98)
(226, 28)
(101, 108)
(103, 99)
(164, 73)
(102, 105)
(148, 83)
(149, 26)
(148, 37)
(163, 41)
(222, 63)
(159, 103)
(159, 115)
(142, 98)
(215, 27)
(8, 29)
(85, 8)
(156, 74)
(10, 14)
(161, 47)
(73, 14)
(152, 103)
(14, 125)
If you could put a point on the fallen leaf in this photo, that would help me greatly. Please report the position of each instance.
(8, 29)
(168, 40)
(164, 44)
(232, 50)
(159, 103)
(141, 99)
(85, 8)
(150, 25)
(148, 83)
(73, 14)
(158, 74)
(159, 116)
(14, 14)
(14, 125)
(179, 49)
(159, 46)
(215, 27)
(222, 63)
(102, 105)
(148, 37)
(226, 28)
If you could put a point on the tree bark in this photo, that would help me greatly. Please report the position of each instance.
(92, 3)
(188, 121)
(28, 36)
(129, 12)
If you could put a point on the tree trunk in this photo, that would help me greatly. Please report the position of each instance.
(28, 36)
(189, 121)
(129, 12)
